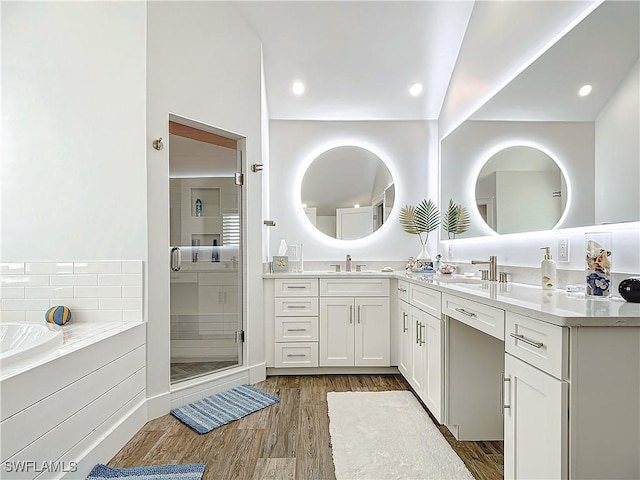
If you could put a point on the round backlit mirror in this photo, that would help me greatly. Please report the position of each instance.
(521, 189)
(347, 192)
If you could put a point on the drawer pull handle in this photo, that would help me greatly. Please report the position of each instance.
(404, 322)
(423, 326)
(527, 341)
(403, 290)
(503, 391)
(289, 287)
(296, 355)
(464, 312)
(296, 329)
(296, 306)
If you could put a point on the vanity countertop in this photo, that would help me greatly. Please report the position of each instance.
(557, 307)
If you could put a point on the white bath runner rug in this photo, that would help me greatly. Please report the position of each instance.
(388, 435)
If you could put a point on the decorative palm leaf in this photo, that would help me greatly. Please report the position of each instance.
(456, 220)
(424, 218)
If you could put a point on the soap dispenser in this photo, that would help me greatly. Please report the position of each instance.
(548, 270)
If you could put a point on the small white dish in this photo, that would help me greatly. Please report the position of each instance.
(387, 269)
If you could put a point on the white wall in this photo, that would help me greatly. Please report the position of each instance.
(203, 64)
(617, 164)
(465, 150)
(410, 151)
(73, 158)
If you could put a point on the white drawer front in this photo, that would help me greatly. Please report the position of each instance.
(296, 354)
(403, 290)
(426, 299)
(177, 277)
(540, 344)
(218, 278)
(354, 286)
(296, 329)
(482, 317)
(298, 287)
(296, 307)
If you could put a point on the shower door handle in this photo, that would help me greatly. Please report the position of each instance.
(176, 259)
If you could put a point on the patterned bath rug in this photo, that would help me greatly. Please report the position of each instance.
(189, 471)
(222, 408)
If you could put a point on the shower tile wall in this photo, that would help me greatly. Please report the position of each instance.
(94, 291)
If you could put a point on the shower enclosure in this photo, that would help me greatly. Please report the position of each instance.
(206, 251)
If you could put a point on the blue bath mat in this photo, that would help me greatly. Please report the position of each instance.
(222, 408)
(189, 471)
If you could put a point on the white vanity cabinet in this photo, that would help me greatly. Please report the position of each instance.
(405, 336)
(354, 322)
(296, 322)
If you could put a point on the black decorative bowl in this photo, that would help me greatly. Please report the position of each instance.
(629, 289)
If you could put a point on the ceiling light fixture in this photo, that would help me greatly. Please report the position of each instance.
(415, 89)
(357, 205)
(298, 88)
(304, 205)
(585, 90)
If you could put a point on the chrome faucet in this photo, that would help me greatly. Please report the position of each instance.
(347, 263)
(493, 266)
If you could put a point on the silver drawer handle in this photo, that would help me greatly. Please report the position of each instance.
(296, 329)
(463, 311)
(527, 341)
(403, 290)
(296, 355)
(296, 286)
(296, 306)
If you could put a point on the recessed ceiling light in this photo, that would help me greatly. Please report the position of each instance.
(357, 205)
(585, 90)
(415, 89)
(304, 205)
(298, 88)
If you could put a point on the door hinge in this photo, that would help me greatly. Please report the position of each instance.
(239, 178)
(240, 336)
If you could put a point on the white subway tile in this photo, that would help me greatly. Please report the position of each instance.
(132, 316)
(12, 316)
(40, 268)
(34, 316)
(76, 303)
(11, 292)
(24, 280)
(97, 267)
(98, 315)
(24, 304)
(48, 292)
(98, 292)
(82, 279)
(131, 279)
(11, 268)
(132, 292)
(132, 266)
(120, 304)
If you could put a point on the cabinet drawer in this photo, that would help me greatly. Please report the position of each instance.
(403, 290)
(426, 299)
(296, 287)
(540, 344)
(296, 307)
(296, 329)
(217, 278)
(482, 317)
(296, 354)
(354, 287)
(184, 277)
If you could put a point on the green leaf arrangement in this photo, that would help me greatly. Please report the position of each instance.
(456, 220)
(424, 218)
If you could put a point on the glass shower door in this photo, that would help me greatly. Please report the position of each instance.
(206, 256)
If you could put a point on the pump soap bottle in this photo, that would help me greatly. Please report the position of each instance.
(548, 270)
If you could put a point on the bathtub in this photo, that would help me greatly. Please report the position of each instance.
(23, 343)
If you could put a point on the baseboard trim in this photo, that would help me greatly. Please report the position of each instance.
(158, 405)
(334, 371)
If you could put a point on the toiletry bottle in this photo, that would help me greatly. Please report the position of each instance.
(548, 270)
(198, 207)
(215, 255)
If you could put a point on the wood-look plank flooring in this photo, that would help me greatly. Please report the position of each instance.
(287, 441)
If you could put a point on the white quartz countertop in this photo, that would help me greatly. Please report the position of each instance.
(553, 306)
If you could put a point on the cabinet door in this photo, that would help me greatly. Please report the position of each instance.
(535, 423)
(433, 386)
(372, 332)
(417, 377)
(336, 332)
(404, 335)
(211, 299)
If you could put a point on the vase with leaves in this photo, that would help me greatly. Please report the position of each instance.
(421, 220)
(456, 220)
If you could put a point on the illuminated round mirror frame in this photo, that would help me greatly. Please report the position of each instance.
(521, 188)
(347, 193)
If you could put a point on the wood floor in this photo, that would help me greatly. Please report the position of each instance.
(289, 440)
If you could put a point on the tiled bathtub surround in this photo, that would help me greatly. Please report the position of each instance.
(94, 291)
